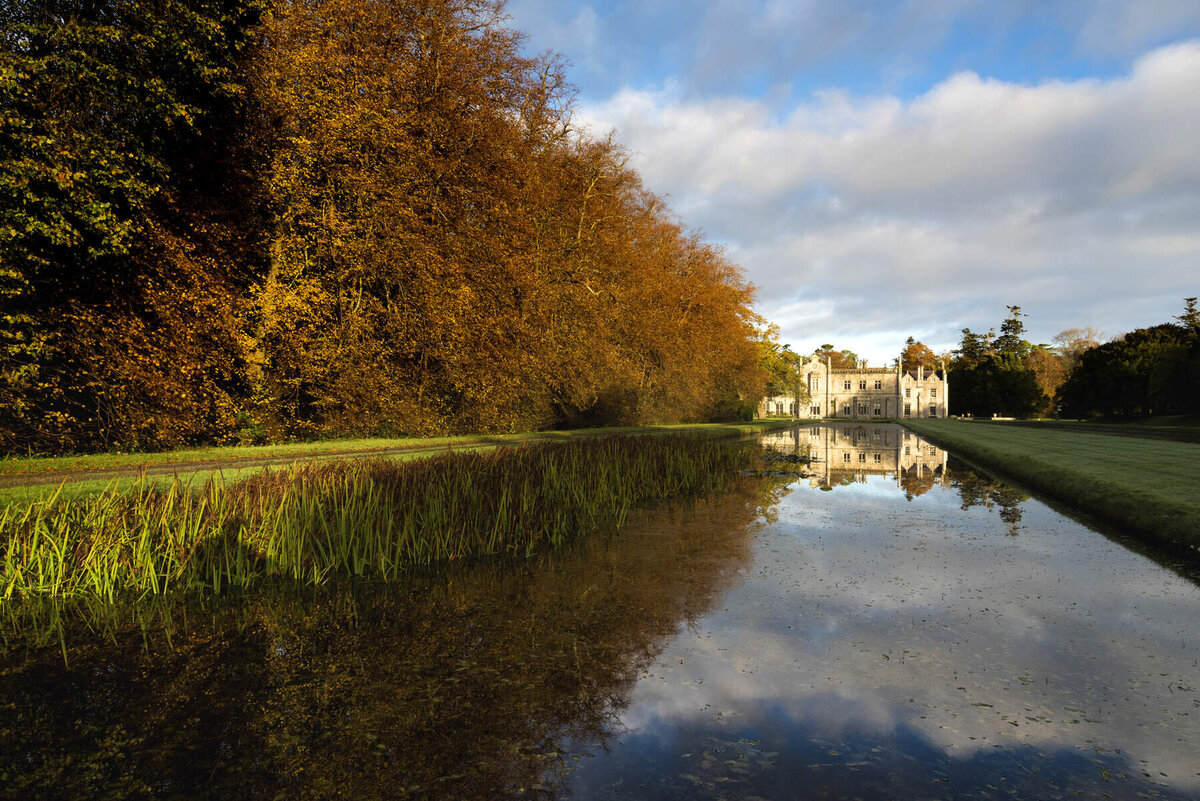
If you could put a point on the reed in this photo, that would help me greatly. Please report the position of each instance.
(362, 518)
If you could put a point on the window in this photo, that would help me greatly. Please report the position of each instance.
(878, 384)
(862, 408)
(908, 410)
(877, 411)
(908, 392)
(862, 457)
(792, 408)
(845, 457)
(816, 382)
(845, 385)
(907, 450)
(878, 458)
(933, 410)
(933, 392)
(862, 384)
(846, 411)
(815, 409)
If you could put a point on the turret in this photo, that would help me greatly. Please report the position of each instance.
(945, 389)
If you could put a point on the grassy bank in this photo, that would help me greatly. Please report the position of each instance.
(28, 479)
(376, 518)
(1147, 486)
(1177, 427)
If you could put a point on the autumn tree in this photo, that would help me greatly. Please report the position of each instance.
(837, 359)
(778, 361)
(782, 368)
(1050, 369)
(917, 354)
(448, 254)
(123, 220)
(1073, 342)
(346, 216)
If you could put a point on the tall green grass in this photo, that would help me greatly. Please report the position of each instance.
(362, 518)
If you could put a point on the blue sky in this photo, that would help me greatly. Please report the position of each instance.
(881, 169)
(749, 48)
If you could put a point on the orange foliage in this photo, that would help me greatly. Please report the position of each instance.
(918, 354)
(398, 231)
(450, 256)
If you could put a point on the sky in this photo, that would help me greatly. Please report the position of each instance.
(890, 169)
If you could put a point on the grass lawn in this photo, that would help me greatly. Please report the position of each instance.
(1178, 427)
(26, 479)
(1150, 486)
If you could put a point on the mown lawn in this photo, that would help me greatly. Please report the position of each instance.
(1151, 487)
(1177, 427)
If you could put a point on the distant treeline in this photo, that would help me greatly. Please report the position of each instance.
(232, 220)
(1149, 371)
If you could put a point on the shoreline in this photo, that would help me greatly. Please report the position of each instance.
(1139, 484)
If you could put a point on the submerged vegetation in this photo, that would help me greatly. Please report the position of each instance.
(359, 518)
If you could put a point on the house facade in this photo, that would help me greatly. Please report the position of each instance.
(863, 393)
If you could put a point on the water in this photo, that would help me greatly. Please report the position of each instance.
(885, 623)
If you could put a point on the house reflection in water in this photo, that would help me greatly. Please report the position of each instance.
(847, 454)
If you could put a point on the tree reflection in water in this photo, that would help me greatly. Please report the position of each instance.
(461, 686)
(979, 489)
(918, 480)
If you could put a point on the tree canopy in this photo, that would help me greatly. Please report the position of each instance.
(996, 375)
(1073, 342)
(242, 219)
(837, 359)
(1153, 370)
(126, 225)
(917, 354)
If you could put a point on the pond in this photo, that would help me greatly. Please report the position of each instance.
(883, 622)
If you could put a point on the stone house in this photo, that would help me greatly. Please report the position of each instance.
(863, 393)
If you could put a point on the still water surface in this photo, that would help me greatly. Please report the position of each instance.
(883, 623)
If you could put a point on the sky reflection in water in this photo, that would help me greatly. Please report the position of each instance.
(884, 623)
(881, 647)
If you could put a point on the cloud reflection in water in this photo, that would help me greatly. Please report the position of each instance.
(895, 634)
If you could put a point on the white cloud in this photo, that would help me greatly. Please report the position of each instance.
(927, 215)
(981, 631)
